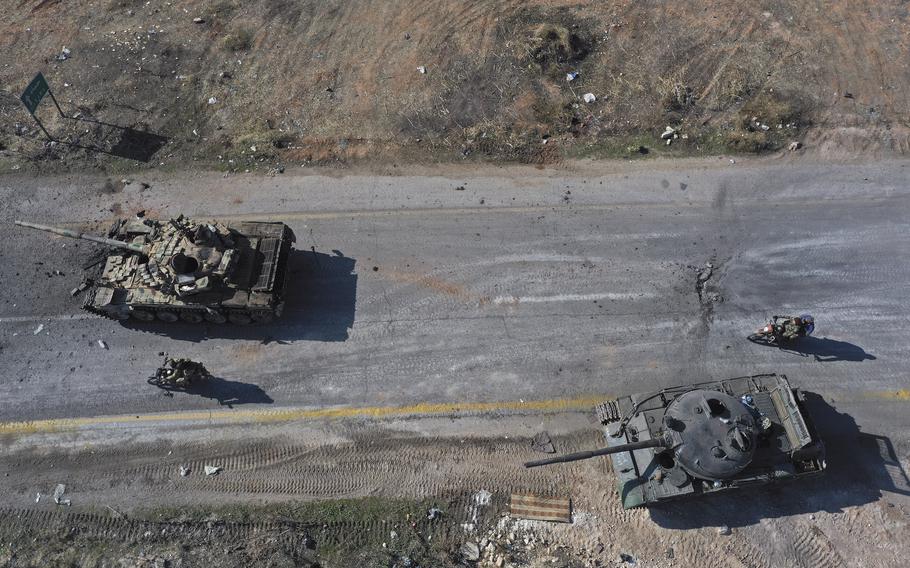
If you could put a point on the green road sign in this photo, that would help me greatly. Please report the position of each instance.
(34, 93)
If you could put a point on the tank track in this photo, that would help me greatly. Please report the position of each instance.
(608, 412)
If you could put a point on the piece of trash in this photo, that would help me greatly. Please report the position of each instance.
(723, 530)
(393, 535)
(434, 513)
(571, 75)
(470, 551)
(212, 100)
(669, 133)
(102, 344)
(212, 470)
(198, 21)
(847, 95)
(542, 443)
(39, 329)
(63, 55)
(58, 495)
(589, 97)
(184, 471)
(732, 161)
(422, 70)
(482, 497)
(794, 146)
(38, 497)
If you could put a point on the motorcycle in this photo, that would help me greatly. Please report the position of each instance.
(179, 374)
(775, 332)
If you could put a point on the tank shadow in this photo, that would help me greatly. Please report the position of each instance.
(226, 392)
(320, 301)
(825, 350)
(860, 468)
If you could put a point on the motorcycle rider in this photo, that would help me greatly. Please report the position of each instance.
(793, 327)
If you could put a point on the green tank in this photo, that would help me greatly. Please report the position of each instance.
(703, 438)
(185, 270)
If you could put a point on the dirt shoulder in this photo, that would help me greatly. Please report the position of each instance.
(265, 84)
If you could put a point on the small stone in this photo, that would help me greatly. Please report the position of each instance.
(470, 551)
(198, 21)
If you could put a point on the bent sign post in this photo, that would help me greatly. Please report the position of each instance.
(33, 95)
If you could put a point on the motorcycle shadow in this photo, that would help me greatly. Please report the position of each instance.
(825, 350)
(225, 392)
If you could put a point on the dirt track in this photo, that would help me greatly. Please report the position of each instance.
(304, 82)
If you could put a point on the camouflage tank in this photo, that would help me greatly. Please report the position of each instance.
(191, 271)
(705, 438)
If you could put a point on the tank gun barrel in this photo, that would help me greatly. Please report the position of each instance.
(78, 235)
(653, 443)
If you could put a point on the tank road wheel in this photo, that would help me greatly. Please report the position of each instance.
(169, 317)
(190, 317)
(142, 315)
(214, 317)
(239, 318)
(263, 317)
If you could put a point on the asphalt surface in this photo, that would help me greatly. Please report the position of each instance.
(507, 284)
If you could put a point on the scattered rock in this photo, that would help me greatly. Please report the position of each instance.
(794, 146)
(58, 495)
(724, 530)
(198, 20)
(102, 344)
(422, 70)
(470, 551)
(63, 55)
(39, 329)
(542, 443)
(212, 470)
(589, 97)
(626, 558)
(212, 100)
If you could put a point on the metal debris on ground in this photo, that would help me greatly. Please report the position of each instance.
(532, 507)
(58, 495)
(571, 75)
(212, 470)
(82, 287)
(184, 471)
(542, 443)
(670, 132)
(39, 329)
(589, 97)
(37, 497)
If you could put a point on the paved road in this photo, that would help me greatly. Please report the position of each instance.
(522, 285)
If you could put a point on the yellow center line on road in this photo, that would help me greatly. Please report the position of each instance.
(262, 416)
(291, 414)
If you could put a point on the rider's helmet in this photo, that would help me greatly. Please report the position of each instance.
(808, 323)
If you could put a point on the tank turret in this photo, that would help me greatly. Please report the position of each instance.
(182, 269)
